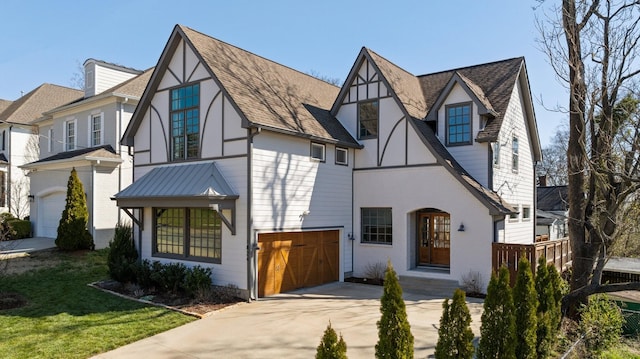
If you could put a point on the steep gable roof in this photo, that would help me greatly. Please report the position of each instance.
(489, 198)
(552, 198)
(4, 104)
(31, 106)
(265, 93)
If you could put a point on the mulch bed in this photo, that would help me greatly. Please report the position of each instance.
(9, 300)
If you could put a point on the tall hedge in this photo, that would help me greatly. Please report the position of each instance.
(525, 300)
(455, 338)
(395, 340)
(122, 255)
(497, 331)
(72, 230)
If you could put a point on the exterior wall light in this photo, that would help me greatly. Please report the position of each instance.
(461, 228)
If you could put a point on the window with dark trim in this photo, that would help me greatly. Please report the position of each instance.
(342, 156)
(367, 120)
(376, 225)
(458, 126)
(318, 151)
(187, 233)
(514, 154)
(185, 122)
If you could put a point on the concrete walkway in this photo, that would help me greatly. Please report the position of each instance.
(291, 326)
(21, 247)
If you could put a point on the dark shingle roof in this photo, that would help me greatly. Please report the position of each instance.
(552, 198)
(490, 198)
(492, 83)
(269, 94)
(31, 106)
(105, 151)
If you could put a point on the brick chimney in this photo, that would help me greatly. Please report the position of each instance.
(542, 181)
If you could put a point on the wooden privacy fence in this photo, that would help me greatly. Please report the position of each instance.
(557, 252)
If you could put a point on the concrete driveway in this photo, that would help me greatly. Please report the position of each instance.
(291, 326)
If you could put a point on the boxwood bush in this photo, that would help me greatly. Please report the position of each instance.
(20, 228)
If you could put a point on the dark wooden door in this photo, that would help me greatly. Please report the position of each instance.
(434, 239)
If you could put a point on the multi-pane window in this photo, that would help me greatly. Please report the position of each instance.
(3, 189)
(194, 233)
(458, 124)
(70, 135)
(514, 154)
(318, 151)
(51, 140)
(496, 154)
(367, 120)
(342, 156)
(376, 225)
(96, 130)
(185, 122)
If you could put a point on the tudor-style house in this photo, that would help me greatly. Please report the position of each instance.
(278, 180)
(19, 141)
(85, 135)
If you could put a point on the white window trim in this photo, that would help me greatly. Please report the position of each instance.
(527, 219)
(75, 135)
(517, 217)
(90, 129)
(324, 152)
(495, 154)
(346, 156)
(515, 155)
(50, 140)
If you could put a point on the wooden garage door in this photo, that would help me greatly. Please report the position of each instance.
(292, 260)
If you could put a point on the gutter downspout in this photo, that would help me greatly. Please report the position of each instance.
(9, 180)
(252, 247)
(93, 200)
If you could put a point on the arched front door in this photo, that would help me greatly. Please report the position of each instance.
(434, 238)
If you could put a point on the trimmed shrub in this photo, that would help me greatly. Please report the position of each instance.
(394, 332)
(525, 300)
(122, 255)
(20, 229)
(601, 323)
(170, 277)
(497, 331)
(455, 338)
(144, 274)
(72, 230)
(330, 346)
(197, 281)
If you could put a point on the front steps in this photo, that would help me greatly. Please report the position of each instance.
(428, 286)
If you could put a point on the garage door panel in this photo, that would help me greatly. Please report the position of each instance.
(51, 207)
(292, 260)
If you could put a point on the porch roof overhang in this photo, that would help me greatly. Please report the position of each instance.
(188, 185)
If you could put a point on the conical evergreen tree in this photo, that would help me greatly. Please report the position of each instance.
(497, 331)
(330, 346)
(455, 338)
(72, 229)
(546, 305)
(395, 340)
(557, 289)
(525, 300)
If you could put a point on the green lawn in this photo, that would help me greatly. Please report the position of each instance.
(64, 318)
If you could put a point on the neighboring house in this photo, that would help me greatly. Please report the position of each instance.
(85, 135)
(19, 141)
(552, 214)
(278, 180)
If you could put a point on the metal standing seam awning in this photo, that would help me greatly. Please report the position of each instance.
(184, 185)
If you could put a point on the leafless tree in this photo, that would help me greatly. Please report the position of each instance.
(554, 159)
(593, 46)
(77, 78)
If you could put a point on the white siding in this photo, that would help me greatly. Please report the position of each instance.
(516, 187)
(475, 157)
(292, 192)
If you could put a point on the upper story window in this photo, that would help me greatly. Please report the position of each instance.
(367, 120)
(70, 135)
(96, 130)
(4, 139)
(185, 122)
(458, 125)
(495, 146)
(342, 156)
(526, 212)
(318, 151)
(514, 154)
(50, 141)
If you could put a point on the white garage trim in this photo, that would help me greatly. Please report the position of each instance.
(50, 203)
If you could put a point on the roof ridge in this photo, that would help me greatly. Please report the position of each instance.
(471, 67)
(389, 61)
(112, 64)
(256, 55)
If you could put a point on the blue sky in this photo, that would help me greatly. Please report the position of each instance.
(44, 41)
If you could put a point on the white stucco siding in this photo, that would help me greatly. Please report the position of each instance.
(293, 192)
(417, 152)
(158, 128)
(233, 266)
(422, 187)
(516, 186)
(474, 157)
(392, 134)
(105, 212)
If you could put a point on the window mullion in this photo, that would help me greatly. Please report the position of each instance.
(187, 235)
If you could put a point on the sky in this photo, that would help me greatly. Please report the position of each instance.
(47, 41)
